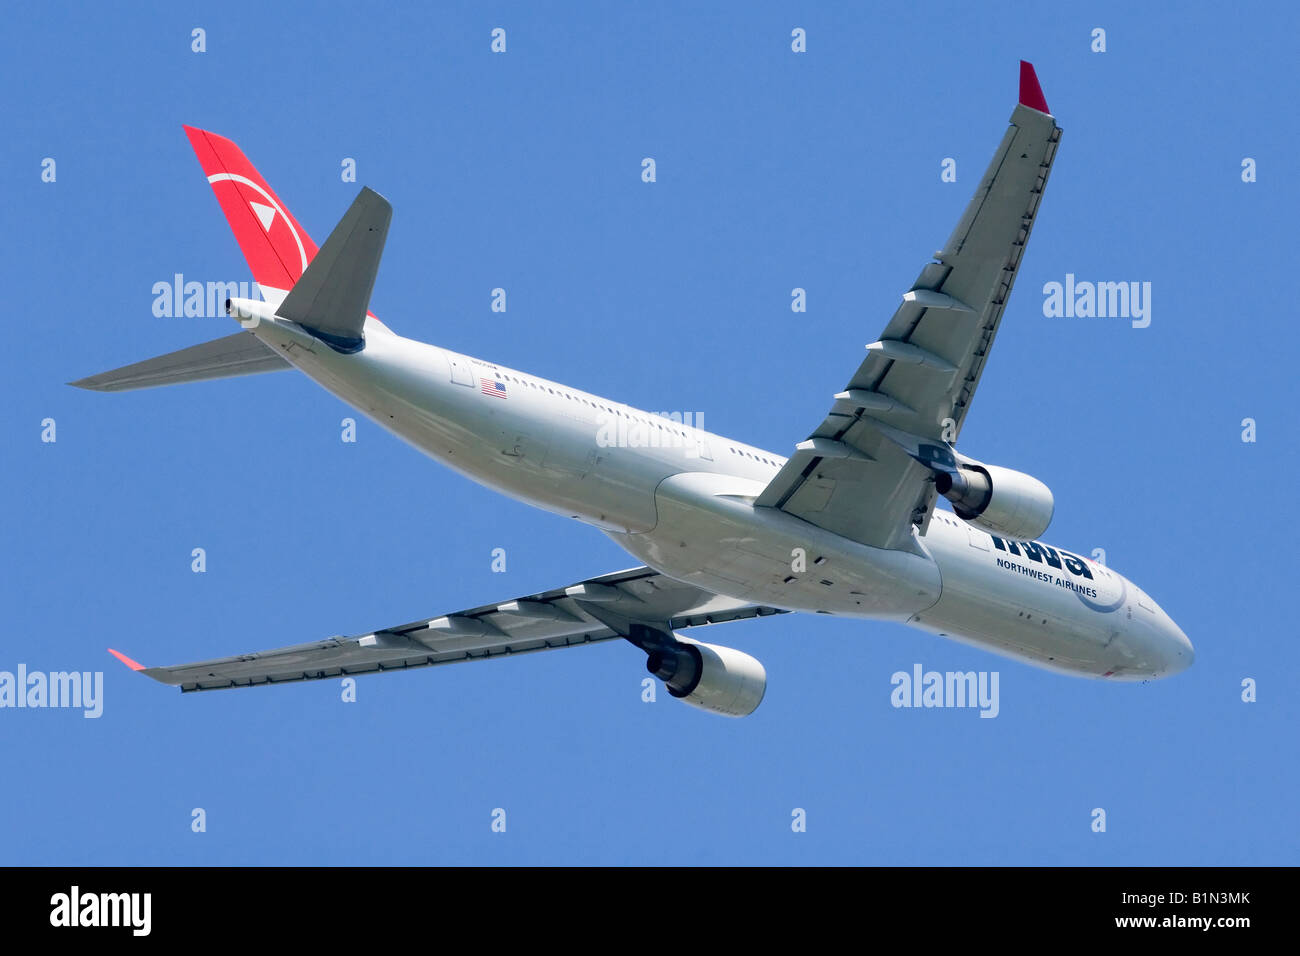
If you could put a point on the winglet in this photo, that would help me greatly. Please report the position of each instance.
(1031, 94)
(126, 660)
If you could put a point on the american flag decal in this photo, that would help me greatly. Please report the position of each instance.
(490, 387)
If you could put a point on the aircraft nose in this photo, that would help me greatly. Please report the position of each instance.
(1180, 654)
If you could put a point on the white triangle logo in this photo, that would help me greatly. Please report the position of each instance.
(264, 214)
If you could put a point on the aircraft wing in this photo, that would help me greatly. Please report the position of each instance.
(862, 474)
(594, 610)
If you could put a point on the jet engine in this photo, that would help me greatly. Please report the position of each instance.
(998, 500)
(718, 679)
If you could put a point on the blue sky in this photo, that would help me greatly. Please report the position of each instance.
(521, 170)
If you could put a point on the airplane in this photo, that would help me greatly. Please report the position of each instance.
(846, 525)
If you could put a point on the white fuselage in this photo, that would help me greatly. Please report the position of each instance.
(681, 500)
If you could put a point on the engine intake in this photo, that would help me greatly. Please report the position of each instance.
(998, 500)
(721, 680)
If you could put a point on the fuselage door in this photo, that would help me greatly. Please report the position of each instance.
(459, 370)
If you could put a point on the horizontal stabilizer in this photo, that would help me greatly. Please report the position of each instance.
(333, 294)
(238, 354)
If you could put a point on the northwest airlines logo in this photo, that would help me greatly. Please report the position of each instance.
(264, 211)
(265, 214)
(1044, 553)
(1050, 559)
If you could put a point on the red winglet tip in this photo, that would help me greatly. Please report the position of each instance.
(134, 665)
(1031, 94)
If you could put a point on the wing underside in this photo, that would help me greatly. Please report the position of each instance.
(862, 473)
(598, 609)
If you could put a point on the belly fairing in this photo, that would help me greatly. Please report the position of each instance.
(709, 534)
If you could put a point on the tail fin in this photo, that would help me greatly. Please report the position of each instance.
(279, 252)
(277, 248)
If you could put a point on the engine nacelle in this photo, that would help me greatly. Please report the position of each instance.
(721, 680)
(998, 500)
